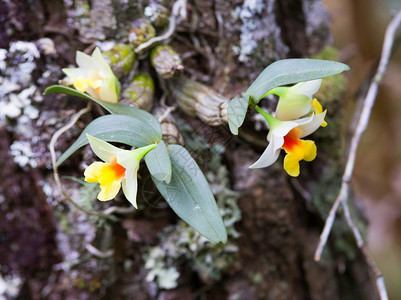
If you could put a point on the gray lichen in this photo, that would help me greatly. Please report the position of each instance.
(258, 31)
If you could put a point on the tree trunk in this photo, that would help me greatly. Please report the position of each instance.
(49, 246)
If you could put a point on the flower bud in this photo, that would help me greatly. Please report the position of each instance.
(139, 92)
(171, 134)
(157, 13)
(195, 98)
(121, 58)
(141, 31)
(166, 61)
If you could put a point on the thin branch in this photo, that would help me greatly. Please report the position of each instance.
(98, 253)
(108, 211)
(345, 185)
(52, 144)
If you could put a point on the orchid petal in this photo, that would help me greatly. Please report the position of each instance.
(307, 88)
(84, 61)
(291, 165)
(107, 91)
(130, 185)
(280, 129)
(75, 73)
(128, 159)
(310, 150)
(109, 191)
(311, 126)
(292, 106)
(93, 171)
(102, 149)
(101, 63)
(270, 155)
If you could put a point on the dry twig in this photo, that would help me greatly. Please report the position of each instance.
(107, 212)
(345, 186)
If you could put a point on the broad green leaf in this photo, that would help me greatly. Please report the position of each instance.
(288, 71)
(113, 108)
(189, 195)
(236, 111)
(115, 128)
(158, 162)
(282, 72)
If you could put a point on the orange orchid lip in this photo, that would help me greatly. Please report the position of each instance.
(292, 140)
(119, 170)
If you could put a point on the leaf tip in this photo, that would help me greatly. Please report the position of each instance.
(233, 127)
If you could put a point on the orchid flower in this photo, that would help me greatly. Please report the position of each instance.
(94, 76)
(296, 101)
(119, 168)
(287, 135)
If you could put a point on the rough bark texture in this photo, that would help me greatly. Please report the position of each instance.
(225, 44)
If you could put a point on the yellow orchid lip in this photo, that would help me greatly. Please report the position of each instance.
(108, 175)
(318, 109)
(297, 150)
(119, 169)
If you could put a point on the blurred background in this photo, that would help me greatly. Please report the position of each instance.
(358, 29)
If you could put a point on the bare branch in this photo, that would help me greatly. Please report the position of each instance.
(360, 128)
(52, 144)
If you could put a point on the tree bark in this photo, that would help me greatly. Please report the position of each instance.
(225, 45)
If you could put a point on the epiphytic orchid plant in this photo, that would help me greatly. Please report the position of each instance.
(173, 170)
(297, 114)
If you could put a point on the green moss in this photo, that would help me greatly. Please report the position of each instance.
(121, 59)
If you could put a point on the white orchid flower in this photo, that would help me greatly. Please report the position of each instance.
(94, 76)
(296, 101)
(287, 135)
(120, 168)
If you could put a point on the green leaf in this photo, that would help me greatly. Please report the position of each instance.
(236, 111)
(113, 108)
(288, 71)
(189, 195)
(115, 128)
(158, 162)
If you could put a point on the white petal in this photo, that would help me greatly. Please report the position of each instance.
(271, 153)
(92, 92)
(75, 72)
(303, 121)
(101, 63)
(313, 124)
(130, 185)
(281, 129)
(307, 88)
(102, 149)
(85, 61)
(128, 159)
(108, 91)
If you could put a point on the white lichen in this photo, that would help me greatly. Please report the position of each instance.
(258, 26)
(10, 286)
(22, 154)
